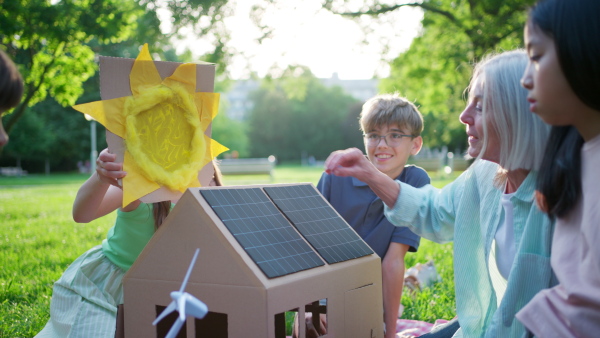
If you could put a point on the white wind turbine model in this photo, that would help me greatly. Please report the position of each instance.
(184, 303)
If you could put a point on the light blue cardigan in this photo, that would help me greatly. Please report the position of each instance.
(468, 211)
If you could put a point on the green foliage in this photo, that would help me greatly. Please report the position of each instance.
(436, 68)
(296, 114)
(351, 134)
(435, 75)
(56, 133)
(50, 131)
(231, 134)
(57, 60)
(201, 14)
(52, 54)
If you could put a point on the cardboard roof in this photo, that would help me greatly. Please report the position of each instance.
(210, 234)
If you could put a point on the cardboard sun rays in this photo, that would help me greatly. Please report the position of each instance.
(158, 117)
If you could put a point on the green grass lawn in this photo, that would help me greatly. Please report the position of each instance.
(38, 240)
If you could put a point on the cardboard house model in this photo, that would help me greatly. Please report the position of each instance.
(264, 250)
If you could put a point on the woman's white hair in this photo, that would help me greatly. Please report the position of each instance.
(521, 133)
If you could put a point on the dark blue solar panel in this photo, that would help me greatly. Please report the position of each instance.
(316, 220)
(260, 228)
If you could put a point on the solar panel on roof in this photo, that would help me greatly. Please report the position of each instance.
(261, 229)
(316, 220)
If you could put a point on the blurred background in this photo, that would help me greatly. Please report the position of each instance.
(292, 74)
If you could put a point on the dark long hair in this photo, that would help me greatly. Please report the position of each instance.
(560, 178)
(574, 27)
(160, 211)
(11, 83)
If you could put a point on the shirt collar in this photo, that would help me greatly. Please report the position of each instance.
(525, 191)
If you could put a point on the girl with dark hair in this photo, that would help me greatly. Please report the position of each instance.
(563, 79)
(85, 298)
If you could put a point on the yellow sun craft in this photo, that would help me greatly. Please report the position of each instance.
(163, 124)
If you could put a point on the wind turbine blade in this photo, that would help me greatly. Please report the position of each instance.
(175, 328)
(165, 313)
(189, 272)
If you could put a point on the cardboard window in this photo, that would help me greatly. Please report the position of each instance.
(284, 323)
(314, 311)
(214, 325)
(120, 326)
(163, 327)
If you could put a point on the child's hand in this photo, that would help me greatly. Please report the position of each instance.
(107, 170)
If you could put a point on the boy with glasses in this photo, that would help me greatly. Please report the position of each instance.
(392, 127)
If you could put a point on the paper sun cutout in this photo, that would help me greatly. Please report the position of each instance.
(163, 124)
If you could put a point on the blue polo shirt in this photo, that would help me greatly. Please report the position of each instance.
(363, 210)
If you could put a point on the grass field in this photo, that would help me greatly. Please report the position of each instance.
(38, 240)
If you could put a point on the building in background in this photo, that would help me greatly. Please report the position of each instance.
(361, 90)
(239, 100)
(240, 103)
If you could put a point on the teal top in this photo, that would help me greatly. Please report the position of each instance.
(468, 211)
(128, 237)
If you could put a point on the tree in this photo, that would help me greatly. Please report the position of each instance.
(56, 56)
(435, 75)
(436, 68)
(52, 135)
(51, 53)
(231, 134)
(485, 23)
(351, 134)
(296, 114)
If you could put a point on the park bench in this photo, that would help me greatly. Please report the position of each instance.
(435, 164)
(248, 166)
(12, 171)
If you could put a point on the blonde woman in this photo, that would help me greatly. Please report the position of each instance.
(501, 239)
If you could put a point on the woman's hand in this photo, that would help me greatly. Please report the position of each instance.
(350, 162)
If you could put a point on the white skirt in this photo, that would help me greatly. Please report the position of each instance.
(85, 298)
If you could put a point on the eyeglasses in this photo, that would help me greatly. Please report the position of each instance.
(391, 139)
